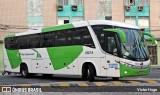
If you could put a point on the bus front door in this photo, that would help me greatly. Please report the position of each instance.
(112, 55)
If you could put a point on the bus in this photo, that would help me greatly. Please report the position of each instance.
(94, 48)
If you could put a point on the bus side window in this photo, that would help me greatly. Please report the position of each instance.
(10, 43)
(77, 39)
(68, 37)
(21, 42)
(111, 46)
(82, 37)
(101, 38)
(48, 39)
(60, 38)
(34, 41)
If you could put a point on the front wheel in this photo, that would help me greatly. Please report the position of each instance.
(91, 73)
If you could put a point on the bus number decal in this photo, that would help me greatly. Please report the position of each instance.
(89, 52)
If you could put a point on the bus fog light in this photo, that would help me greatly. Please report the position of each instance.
(125, 72)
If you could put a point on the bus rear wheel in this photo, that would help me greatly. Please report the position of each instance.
(24, 71)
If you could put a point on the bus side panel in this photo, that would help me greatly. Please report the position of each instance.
(62, 57)
(11, 60)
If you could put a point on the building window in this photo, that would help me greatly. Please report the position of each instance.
(143, 22)
(63, 20)
(143, 3)
(130, 20)
(63, 2)
(77, 2)
(108, 17)
(129, 2)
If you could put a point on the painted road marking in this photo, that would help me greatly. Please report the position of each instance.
(151, 81)
(45, 84)
(99, 83)
(76, 84)
(63, 84)
(134, 82)
(117, 82)
(83, 84)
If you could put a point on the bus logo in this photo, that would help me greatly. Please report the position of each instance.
(6, 89)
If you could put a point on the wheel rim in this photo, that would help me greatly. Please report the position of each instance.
(24, 72)
(88, 72)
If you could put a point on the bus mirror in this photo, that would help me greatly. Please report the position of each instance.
(152, 37)
(119, 32)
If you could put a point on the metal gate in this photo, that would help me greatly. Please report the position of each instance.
(153, 54)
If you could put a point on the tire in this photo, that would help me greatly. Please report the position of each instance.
(91, 73)
(24, 71)
(47, 75)
(84, 73)
(115, 78)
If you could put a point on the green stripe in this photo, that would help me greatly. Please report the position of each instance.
(13, 55)
(61, 57)
(60, 27)
(14, 58)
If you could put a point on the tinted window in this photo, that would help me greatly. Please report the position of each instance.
(48, 39)
(106, 39)
(21, 42)
(60, 38)
(10, 43)
(76, 36)
(34, 41)
(81, 36)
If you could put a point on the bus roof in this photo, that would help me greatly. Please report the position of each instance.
(76, 24)
(113, 23)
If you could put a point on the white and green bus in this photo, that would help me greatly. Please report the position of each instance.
(96, 48)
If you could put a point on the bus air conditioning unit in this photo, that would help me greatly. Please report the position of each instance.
(127, 8)
(140, 8)
(74, 7)
(59, 7)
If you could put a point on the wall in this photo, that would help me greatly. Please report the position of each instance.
(50, 12)
(118, 10)
(155, 17)
(90, 10)
(12, 13)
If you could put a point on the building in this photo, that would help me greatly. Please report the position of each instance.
(28, 14)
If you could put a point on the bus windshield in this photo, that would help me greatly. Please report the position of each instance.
(135, 47)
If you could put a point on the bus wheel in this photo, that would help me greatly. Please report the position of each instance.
(47, 75)
(84, 73)
(24, 71)
(91, 72)
(115, 78)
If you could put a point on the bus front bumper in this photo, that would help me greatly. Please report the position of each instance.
(126, 71)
